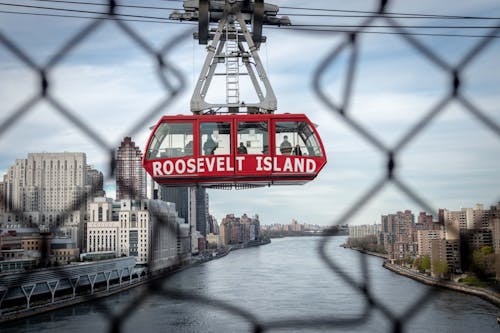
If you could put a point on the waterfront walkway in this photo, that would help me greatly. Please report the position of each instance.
(489, 295)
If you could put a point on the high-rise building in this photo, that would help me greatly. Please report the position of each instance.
(425, 238)
(130, 176)
(95, 179)
(3, 194)
(50, 190)
(201, 210)
(191, 203)
(180, 197)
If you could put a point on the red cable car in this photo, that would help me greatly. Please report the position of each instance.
(234, 150)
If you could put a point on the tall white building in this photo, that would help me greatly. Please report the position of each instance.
(145, 229)
(51, 190)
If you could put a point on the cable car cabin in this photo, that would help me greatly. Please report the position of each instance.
(237, 150)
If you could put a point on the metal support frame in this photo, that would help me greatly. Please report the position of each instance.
(52, 285)
(107, 276)
(28, 292)
(235, 51)
(92, 278)
(3, 293)
(74, 284)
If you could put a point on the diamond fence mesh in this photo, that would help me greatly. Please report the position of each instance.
(173, 83)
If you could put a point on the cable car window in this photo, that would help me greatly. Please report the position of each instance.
(215, 138)
(253, 138)
(171, 140)
(296, 138)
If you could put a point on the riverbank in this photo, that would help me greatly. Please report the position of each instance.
(13, 315)
(489, 295)
(375, 254)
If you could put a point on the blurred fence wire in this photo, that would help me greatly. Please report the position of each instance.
(174, 83)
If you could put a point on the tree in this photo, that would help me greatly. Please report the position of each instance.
(440, 267)
(483, 262)
(417, 263)
(425, 264)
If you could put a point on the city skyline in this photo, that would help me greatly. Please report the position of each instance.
(110, 84)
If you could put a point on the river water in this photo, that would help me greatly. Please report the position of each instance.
(276, 283)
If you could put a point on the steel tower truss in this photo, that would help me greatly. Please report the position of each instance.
(233, 44)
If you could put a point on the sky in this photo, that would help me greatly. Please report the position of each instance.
(111, 84)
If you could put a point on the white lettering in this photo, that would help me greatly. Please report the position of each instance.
(157, 169)
(259, 163)
(180, 166)
(220, 163)
(275, 165)
(239, 161)
(201, 167)
(310, 166)
(288, 165)
(225, 164)
(268, 163)
(299, 165)
(191, 165)
(168, 167)
(210, 162)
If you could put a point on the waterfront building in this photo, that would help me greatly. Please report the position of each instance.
(225, 231)
(40, 248)
(469, 218)
(180, 196)
(130, 175)
(494, 226)
(398, 235)
(183, 240)
(360, 231)
(454, 256)
(425, 238)
(212, 226)
(50, 190)
(145, 229)
(239, 230)
(201, 203)
(63, 251)
(95, 179)
(103, 227)
(424, 218)
(214, 241)
(3, 196)
(438, 256)
(452, 222)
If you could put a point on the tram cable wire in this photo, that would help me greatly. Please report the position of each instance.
(368, 13)
(303, 27)
(105, 4)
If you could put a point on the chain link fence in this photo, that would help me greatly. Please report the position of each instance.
(174, 83)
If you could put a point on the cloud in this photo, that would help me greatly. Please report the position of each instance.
(111, 84)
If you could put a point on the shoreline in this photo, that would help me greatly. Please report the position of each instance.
(488, 295)
(139, 281)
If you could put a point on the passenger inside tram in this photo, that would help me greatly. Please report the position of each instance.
(285, 146)
(242, 149)
(297, 151)
(210, 146)
(188, 149)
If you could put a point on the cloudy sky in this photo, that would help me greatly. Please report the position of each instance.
(110, 84)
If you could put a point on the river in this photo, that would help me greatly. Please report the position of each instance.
(282, 281)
